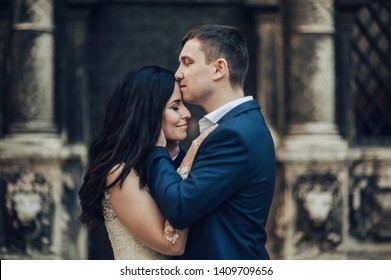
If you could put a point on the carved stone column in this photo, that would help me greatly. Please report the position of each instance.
(267, 15)
(32, 67)
(313, 154)
(270, 74)
(38, 173)
(311, 74)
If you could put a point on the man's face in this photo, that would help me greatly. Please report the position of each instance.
(193, 74)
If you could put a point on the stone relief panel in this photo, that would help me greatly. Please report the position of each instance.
(318, 225)
(28, 213)
(370, 201)
(39, 206)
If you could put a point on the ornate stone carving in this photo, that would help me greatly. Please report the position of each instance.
(319, 207)
(29, 212)
(370, 201)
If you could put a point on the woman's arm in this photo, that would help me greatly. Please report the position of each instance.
(138, 212)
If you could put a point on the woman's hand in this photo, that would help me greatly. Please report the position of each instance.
(187, 162)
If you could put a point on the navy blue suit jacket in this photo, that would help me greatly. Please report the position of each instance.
(227, 196)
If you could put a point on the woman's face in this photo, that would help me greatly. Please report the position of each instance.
(175, 117)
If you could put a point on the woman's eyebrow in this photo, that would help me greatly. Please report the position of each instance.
(175, 101)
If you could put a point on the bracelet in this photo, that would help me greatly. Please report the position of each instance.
(173, 238)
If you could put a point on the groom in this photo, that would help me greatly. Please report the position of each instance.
(227, 195)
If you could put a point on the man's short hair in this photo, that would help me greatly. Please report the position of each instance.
(221, 41)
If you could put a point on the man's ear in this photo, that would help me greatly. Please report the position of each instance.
(221, 69)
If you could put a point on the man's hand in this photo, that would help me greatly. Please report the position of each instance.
(187, 162)
(161, 141)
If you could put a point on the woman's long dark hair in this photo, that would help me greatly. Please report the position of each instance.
(131, 128)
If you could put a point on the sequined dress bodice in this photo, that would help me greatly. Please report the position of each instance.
(125, 246)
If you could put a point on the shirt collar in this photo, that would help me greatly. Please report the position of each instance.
(214, 116)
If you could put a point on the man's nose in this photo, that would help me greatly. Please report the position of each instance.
(178, 75)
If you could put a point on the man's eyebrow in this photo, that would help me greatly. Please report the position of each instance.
(185, 57)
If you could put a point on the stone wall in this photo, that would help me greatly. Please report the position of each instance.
(60, 61)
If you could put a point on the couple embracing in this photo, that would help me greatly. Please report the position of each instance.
(158, 201)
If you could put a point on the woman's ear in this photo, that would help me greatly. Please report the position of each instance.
(221, 69)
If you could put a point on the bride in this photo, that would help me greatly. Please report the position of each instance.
(146, 107)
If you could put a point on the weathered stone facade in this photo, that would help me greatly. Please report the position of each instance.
(39, 172)
(60, 60)
(332, 199)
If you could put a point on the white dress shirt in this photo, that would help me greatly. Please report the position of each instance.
(214, 116)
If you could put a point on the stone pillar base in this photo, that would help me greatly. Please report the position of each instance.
(39, 179)
(313, 148)
(315, 179)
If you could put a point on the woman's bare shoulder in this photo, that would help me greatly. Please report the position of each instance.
(116, 171)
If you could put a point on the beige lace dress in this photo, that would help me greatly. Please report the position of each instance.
(125, 246)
